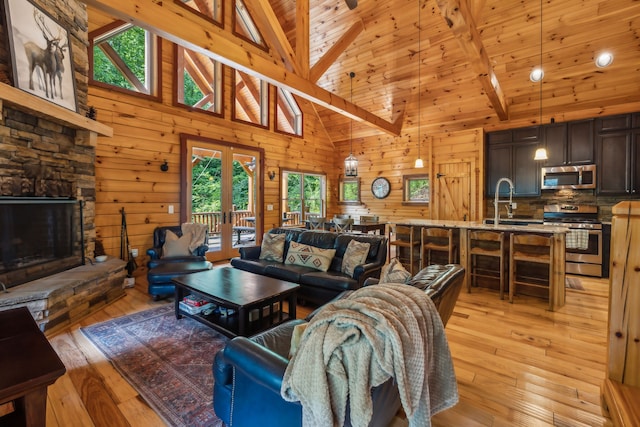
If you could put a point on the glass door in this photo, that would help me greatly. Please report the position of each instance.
(222, 191)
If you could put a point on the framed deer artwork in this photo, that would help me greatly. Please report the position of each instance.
(40, 53)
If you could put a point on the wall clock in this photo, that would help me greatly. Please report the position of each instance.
(380, 187)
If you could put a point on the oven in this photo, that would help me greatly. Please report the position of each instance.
(584, 238)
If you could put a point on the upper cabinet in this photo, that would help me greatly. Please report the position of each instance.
(569, 143)
(510, 154)
(618, 155)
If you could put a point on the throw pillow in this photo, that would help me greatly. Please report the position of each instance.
(309, 256)
(394, 272)
(174, 245)
(272, 247)
(355, 255)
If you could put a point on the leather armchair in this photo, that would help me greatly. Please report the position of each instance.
(248, 372)
(161, 270)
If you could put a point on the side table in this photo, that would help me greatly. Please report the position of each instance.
(28, 365)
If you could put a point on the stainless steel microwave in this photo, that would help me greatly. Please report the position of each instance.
(576, 177)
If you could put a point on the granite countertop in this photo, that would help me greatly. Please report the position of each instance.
(478, 225)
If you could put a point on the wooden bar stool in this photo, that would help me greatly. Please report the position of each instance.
(404, 239)
(531, 248)
(487, 244)
(439, 240)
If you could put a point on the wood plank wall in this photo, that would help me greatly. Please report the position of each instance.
(146, 133)
(393, 157)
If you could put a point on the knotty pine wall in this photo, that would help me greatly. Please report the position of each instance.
(146, 133)
(393, 157)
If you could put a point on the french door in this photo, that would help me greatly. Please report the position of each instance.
(222, 188)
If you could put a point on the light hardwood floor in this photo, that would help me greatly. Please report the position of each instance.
(516, 364)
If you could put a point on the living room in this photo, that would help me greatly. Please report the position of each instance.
(140, 168)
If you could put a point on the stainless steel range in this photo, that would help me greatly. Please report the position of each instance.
(584, 239)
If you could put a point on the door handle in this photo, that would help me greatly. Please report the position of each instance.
(224, 217)
(440, 175)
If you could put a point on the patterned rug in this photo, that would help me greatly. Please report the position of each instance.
(167, 361)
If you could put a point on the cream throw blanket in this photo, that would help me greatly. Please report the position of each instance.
(197, 233)
(356, 343)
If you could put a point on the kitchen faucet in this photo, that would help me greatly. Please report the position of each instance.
(497, 201)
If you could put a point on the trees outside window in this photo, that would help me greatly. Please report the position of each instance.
(350, 191)
(198, 81)
(415, 188)
(125, 57)
(303, 194)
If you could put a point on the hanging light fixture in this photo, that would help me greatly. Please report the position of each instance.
(536, 76)
(351, 163)
(419, 163)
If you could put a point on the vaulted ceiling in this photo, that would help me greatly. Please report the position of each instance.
(475, 57)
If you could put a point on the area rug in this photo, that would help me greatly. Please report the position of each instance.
(168, 361)
(574, 283)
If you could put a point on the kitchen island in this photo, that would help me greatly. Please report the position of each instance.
(557, 280)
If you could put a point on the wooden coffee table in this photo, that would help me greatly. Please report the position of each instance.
(248, 294)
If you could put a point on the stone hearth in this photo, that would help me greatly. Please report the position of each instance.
(64, 298)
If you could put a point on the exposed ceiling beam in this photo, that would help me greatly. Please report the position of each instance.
(267, 22)
(302, 36)
(459, 19)
(335, 51)
(194, 32)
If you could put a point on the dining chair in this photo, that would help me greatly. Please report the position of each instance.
(342, 225)
(317, 222)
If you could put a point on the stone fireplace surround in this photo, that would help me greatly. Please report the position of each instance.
(48, 151)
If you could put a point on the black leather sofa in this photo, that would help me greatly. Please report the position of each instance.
(248, 372)
(161, 270)
(317, 286)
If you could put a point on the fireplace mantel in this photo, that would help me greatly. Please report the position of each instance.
(24, 101)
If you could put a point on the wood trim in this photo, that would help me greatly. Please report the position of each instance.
(24, 101)
(168, 21)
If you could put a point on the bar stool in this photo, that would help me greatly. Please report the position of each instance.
(439, 240)
(531, 248)
(404, 240)
(487, 244)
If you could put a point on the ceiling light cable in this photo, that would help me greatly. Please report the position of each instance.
(419, 163)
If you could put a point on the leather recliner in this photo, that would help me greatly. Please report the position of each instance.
(248, 372)
(161, 270)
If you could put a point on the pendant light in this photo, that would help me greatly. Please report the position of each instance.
(419, 163)
(536, 76)
(351, 163)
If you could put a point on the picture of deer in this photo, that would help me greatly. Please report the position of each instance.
(41, 54)
(49, 60)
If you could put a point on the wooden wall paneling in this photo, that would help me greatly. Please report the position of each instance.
(146, 134)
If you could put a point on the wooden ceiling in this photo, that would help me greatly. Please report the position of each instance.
(461, 45)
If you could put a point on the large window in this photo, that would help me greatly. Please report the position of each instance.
(303, 194)
(125, 57)
(199, 81)
(415, 188)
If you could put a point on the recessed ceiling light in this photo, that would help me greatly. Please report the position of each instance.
(604, 59)
(536, 75)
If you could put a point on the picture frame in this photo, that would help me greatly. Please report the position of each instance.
(41, 57)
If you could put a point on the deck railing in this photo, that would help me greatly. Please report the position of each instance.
(213, 220)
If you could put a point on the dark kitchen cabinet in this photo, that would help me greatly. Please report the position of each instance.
(619, 162)
(569, 143)
(510, 154)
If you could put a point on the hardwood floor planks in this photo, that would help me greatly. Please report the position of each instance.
(516, 364)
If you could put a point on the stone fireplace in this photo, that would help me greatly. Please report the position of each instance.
(47, 158)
